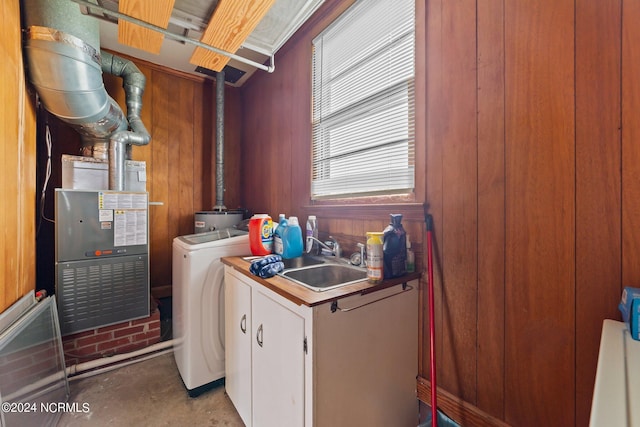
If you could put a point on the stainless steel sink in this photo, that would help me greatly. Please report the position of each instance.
(305, 260)
(322, 277)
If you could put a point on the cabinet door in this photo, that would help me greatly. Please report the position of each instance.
(278, 364)
(238, 345)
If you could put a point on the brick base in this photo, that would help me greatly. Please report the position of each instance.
(111, 340)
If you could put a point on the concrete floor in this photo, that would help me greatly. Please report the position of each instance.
(148, 393)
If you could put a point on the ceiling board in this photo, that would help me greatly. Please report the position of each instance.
(189, 18)
(156, 12)
(228, 28)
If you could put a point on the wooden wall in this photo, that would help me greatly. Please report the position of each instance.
(532, 175)
(179, 112)
(17, 165)
(531, 168)
(276, 148)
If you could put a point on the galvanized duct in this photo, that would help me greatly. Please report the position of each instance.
(62, 47)
(219, 142)
(133, 82)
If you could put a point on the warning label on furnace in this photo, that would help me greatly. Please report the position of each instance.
(130, 227)
(128, 211)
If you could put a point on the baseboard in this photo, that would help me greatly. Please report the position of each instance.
(458, 410)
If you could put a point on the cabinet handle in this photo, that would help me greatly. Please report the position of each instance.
(243, 324)
(259, 336)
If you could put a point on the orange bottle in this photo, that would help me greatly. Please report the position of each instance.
(261, 234)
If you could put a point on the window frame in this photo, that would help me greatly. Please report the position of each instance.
(336, 118)
(412, 204)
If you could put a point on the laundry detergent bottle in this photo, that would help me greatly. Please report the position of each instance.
(261, 234)
(292, 239)
(278, 235)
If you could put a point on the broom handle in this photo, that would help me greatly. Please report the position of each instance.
(432, 322)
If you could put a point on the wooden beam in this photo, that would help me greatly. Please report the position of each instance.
(156, 12)
(230, 25)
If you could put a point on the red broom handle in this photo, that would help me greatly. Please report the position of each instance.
(432, 322)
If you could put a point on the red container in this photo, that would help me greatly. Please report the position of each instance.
(261, 234)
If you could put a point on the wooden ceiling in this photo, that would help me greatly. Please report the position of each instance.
(156, 12)
(230, 25)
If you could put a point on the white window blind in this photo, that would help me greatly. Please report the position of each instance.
(363, 101)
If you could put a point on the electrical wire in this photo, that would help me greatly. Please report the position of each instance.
(46, 179)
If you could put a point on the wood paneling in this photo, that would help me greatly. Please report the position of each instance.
(532, 174)
(17, 163)
(452, 175)
(160, 216)
(598, 184)
(540, 209)
(457, 293)
(630, 147)
(266, 179)
(533, 187)
(436, 128)
(183, 161)
(491, 204)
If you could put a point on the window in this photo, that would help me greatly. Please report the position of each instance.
(363, 102)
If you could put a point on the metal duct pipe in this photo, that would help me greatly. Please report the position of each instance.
(65, 65)
(133, 82)
(219, 142)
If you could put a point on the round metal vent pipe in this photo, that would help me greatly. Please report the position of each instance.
(219, 142)
(62, 47)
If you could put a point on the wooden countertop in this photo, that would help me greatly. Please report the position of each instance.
(301, 295)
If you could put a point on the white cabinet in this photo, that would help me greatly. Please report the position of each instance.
(365, 360)
(348, 363)
(278, 364)
(264, 352)
(237, 337)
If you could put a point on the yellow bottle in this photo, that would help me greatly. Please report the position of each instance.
(375, 257)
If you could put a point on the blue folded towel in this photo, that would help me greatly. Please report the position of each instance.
(267, 267)
(270, 270)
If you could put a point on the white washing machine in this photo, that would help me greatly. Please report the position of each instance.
(198, 304)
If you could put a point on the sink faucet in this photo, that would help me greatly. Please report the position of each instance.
(333, 248)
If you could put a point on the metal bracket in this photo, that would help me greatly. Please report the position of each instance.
(334, 306)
